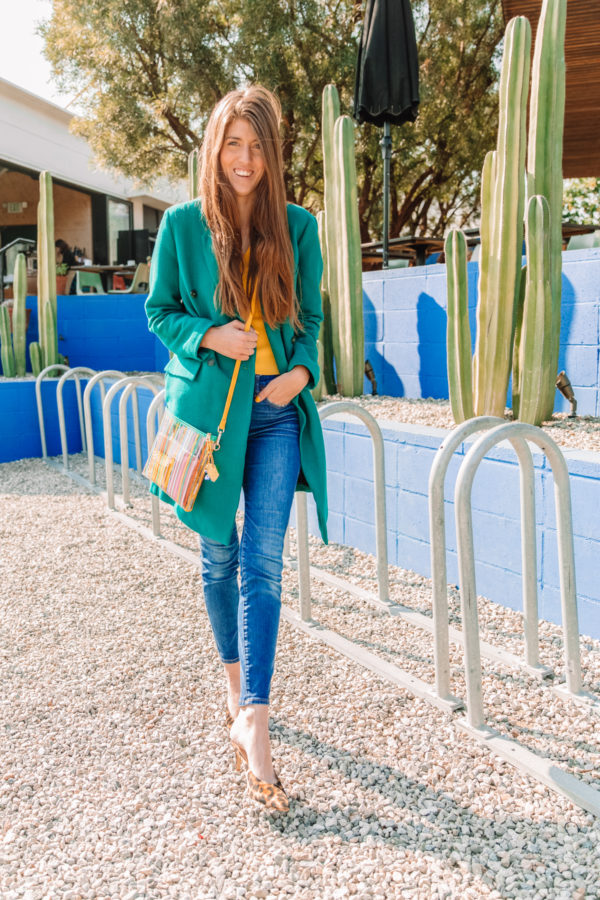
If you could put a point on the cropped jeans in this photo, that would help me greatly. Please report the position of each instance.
(245, 619)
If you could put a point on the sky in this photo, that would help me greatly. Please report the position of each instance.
(21, 59)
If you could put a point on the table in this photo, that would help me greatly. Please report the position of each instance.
(411, 247)
(106, 271)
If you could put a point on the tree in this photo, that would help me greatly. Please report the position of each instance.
(149, 71)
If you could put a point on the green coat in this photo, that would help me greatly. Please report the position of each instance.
(180, 308)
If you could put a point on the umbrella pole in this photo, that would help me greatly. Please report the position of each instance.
(386, 152)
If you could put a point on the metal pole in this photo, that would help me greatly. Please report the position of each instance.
(303, 560)
(158, 403)
(70, 373)
(437, 536)
(87, 413)
(40, 405)
(386, 152)
(346, 406)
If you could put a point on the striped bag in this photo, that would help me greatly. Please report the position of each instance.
(180, 459)
(181, 456)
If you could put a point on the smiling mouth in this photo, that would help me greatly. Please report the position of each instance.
(243, 173)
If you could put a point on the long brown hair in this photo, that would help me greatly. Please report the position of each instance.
(271, 265)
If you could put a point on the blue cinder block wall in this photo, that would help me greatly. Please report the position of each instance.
(409, 453)
(104, 331)
(405, 329)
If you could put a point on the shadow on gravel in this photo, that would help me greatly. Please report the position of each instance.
(434, 822)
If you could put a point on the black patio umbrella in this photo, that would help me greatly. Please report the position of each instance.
(387, 80)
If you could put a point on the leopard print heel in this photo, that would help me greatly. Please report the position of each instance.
(241, 758)
(272, 796)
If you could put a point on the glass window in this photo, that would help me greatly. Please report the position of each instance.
(119, 219)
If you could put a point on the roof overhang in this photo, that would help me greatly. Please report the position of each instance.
(581, 145)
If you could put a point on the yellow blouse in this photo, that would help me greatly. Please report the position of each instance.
(265, 361)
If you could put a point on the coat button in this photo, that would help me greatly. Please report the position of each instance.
(210, 362)
(193, 294)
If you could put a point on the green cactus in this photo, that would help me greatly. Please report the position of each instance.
(330, 112)
(544, 159)
(351, 363)
(535, 338)
(6, 349)
(19, 322)
(48, 336)
(500, 263)
(459, 331)
(327, 380)
(193, 187)
(35, 355)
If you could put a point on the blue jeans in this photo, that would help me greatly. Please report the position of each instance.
(245, 619)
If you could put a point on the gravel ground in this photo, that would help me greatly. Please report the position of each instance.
(117, 781)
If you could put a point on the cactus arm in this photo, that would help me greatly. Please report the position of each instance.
(544, 161)
(6, 350)
(19, 313)
(488, 179)
(327, 381)
(502, 257)
(330, 113)
(516, 367)
(48, 336)
(35, 355)
(458, 335)
(352, 338)
(535, 350)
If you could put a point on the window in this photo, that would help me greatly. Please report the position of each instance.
(119, 219)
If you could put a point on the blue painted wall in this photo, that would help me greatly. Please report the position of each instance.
(104, 332)
(405, 329)
(409, 453)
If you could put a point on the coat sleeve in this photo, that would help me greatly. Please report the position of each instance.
(180, 331)
(310, 271)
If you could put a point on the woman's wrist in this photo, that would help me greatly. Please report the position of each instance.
(302, 374)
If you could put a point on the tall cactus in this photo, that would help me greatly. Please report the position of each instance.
(19, 322)
(459, 331)
(329, 239)
(343, 280)
(500, 263)
(6, 349)
(544, 159)
(535, 334)
(45, 351)
(349, 298)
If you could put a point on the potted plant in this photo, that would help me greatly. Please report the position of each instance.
(61, 278)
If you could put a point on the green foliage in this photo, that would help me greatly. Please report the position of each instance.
(148, 73)
(581, 202)
(19, 322)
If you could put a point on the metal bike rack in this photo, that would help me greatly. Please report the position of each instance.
(38, 400)
(331, 409)
(140, 381)
(71, 373)
(156, 408)
(516, 431)
(442, 631)
(87, 412)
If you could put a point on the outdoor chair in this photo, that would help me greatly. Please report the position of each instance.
(88, 283)
(139, 283)
(584, 241)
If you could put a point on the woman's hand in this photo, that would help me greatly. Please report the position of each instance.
(230, 340)
(284, 388)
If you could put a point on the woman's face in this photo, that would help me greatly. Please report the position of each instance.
(241, 158)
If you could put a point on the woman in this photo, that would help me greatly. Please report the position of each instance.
(238, 252)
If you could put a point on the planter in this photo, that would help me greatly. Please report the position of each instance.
(61, 284)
